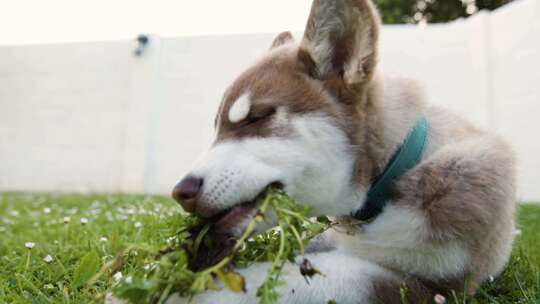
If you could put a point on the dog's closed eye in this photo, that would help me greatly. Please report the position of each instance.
(257, 116)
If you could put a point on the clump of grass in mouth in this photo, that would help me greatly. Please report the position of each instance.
(196, 259)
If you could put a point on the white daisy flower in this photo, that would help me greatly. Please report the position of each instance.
(48, 286)
(66, 219)
(47, 210)
(84, 221)
(117, 276)
(48, 259)
(29, 245)
(138, 225)
(439, 299)
(103, 239)
(8, 221)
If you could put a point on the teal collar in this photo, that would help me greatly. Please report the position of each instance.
(405, 158)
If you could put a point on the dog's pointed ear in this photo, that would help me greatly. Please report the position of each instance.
(341, 40)
(282, 39)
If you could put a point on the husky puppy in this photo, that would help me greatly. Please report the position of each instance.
(317, 118)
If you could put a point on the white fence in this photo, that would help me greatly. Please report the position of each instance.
(92, 117)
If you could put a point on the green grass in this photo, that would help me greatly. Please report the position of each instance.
(115, 221)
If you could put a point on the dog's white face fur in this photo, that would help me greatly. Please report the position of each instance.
(312, 161)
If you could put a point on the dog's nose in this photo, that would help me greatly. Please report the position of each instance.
(186, 191)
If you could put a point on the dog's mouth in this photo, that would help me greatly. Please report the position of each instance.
(237, 215)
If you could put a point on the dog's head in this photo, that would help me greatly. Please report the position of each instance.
(294, 119)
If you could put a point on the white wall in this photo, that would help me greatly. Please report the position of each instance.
(91, 117)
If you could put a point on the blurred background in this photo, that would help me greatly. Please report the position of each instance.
(119, 96)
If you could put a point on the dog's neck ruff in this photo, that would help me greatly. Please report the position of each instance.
(405, 158)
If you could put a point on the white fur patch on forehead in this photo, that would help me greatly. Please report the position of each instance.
(240, 109)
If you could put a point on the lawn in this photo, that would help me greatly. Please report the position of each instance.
(47, 243)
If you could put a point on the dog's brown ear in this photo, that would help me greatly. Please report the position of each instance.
(341, 40)
(281, 39)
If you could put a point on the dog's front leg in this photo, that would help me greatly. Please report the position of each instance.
(401, 239)
(344, 278)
